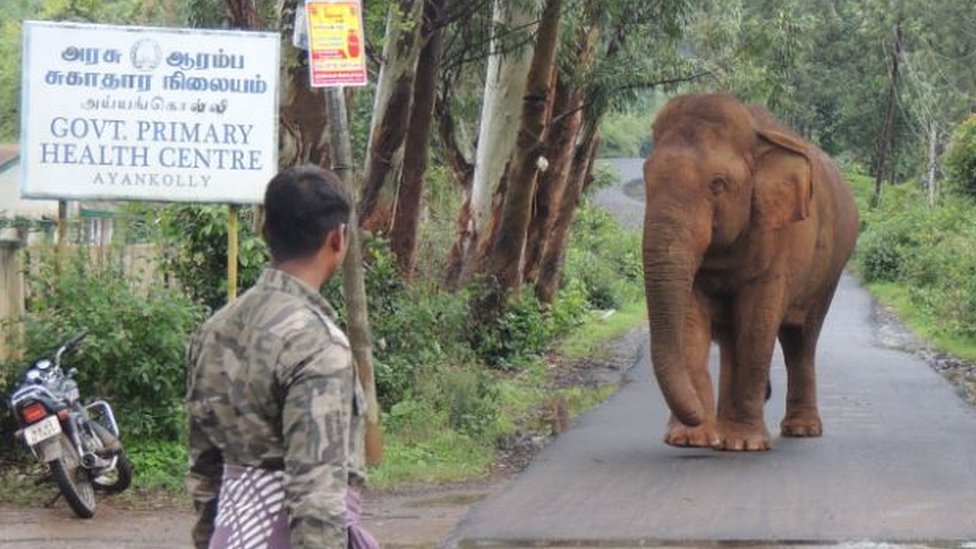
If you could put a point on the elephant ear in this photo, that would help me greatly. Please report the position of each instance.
(783, 187)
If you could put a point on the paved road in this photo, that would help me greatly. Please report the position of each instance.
(897, 464)
(625, 201)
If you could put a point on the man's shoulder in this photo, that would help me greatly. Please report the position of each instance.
(290, 318)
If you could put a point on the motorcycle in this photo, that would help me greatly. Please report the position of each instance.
(79, 443)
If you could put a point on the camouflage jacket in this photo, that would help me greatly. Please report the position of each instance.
(271, 384)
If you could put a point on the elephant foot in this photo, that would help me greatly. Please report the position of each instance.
(743, 437)
(801, 423)
(683, 436)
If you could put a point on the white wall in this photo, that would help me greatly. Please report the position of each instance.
(11, 205)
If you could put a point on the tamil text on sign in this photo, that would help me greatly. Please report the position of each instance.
(151, 114)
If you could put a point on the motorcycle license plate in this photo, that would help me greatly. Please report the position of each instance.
(42, 430)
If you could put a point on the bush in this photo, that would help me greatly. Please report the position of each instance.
(505, 335)
(926, 250)
(414, 327)
(605, 259)
(960, 160)
(196, 251)
(133, 355)
(879, 257)
(469, 398)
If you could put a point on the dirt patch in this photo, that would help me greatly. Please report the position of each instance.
(960, 373)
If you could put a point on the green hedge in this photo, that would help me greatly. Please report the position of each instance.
(133, 354)
(927, 250)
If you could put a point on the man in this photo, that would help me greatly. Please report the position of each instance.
(276, 410)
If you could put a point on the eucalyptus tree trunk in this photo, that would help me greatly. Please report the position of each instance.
(887, 136)
(463, 172)
(243, 14)
(566, 117)
(461, 168)
(303, 121)
(504, 86)
(406, 218)
(575, 137)
(550, 270)
(394, 90)
(505, 261)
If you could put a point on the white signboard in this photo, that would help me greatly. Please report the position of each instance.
(148, 113)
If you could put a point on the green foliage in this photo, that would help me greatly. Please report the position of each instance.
(879, 256)
(9, 80)
(446, 429)
(825, 70)
(927, 251)
(159, 464)
(507, 340)
(862, 185)
(133, 355)
(587, 339)
(413, 326)
(624, 135)
(602, 271)
(440, 456)
(960, 160)
(605, 259)
(196, 250)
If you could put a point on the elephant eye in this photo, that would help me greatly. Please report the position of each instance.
(718, 185)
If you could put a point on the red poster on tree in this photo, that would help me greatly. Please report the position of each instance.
(336, 43)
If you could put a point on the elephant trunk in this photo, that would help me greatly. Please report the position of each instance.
(669, 273)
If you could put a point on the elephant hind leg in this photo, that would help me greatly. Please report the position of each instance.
(802, 416)
(799, 350)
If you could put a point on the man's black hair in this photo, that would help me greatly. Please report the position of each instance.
(301, 206)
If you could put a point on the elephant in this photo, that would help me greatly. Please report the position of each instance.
(747, 229)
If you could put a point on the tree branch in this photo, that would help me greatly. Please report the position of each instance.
(639, 85)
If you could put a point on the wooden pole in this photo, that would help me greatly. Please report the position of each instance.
(62, 232)
(232, 230)
(353, 284)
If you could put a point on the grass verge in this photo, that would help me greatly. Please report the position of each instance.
(898, 298)
(590, 338)
(535, 403)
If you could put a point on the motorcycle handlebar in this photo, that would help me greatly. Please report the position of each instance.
(72, 343)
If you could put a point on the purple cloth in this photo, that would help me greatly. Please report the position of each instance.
(359, 538)
(251, 513)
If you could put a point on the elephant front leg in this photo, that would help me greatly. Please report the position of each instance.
(747, 350)
(698, 339)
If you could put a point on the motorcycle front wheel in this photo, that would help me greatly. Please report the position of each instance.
(73, 480)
